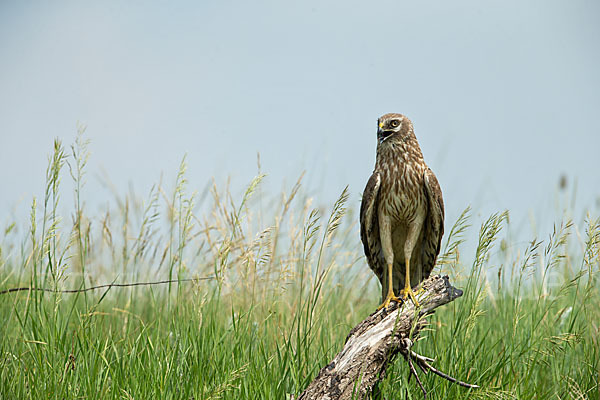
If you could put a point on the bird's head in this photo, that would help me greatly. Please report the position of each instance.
(392, 127)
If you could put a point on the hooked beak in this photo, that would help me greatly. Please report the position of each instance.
(382, 134)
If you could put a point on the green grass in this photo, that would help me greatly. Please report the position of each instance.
(286, 282)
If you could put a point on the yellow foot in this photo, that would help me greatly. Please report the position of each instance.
(390, 297)
(408, 292)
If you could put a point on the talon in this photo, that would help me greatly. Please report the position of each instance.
(408, 292)
(389, 298)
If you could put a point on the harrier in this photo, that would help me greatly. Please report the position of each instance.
(402, 212)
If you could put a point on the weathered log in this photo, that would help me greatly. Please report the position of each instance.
(373, 344)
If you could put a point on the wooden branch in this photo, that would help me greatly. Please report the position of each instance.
(373, 344)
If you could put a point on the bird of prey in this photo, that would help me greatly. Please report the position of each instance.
(402, 212)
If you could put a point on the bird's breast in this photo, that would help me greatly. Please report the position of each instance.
(402, 194)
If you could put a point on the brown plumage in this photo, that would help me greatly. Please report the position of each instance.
(402, 211)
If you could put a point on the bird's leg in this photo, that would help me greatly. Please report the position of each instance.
(385, 232)
(407, 291)
(414, 229)
(390, 292)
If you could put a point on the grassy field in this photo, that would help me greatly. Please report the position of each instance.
(278, 285)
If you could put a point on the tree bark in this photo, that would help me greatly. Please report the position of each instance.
(373, 344)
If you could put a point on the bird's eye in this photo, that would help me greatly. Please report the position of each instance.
(395, 123)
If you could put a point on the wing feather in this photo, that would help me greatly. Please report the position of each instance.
(369, 226)
(434, 223)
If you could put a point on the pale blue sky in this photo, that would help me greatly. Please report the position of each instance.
(504, 95)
